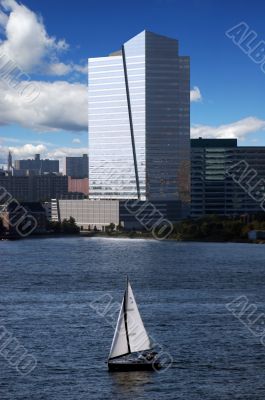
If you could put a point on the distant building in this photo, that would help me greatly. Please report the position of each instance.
(78, 185)
(212, 190)
(88, 214)
(37, 165)
(77, 167)
(9, 162)
(50, 186)
(35, 188)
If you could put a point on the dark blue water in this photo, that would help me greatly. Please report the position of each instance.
(45, 289)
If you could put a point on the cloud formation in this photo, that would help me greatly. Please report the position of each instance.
(239, 129)
(195, 95)
(28, 43)
(76, 141)
(59, 106)
(27, 150)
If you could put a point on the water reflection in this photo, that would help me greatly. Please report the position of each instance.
(126, 382)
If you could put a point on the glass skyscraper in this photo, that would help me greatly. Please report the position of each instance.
(139, 121)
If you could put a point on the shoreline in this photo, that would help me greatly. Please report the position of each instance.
(129, 235)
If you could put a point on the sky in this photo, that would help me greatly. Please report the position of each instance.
(49, 42)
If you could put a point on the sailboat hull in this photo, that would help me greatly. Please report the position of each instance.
(136, 366)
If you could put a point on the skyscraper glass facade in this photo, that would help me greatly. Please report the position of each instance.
(139, 121)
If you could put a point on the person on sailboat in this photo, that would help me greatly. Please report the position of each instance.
(149, 356)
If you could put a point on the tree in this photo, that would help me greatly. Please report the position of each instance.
(54, 226)
(120, 227)
(69, 226)
(110, 228)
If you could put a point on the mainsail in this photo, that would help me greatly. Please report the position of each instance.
(130, 334)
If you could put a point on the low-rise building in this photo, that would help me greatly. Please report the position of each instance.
(88, 214)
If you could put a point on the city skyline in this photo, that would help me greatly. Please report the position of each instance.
(132, 150)
(56, 59)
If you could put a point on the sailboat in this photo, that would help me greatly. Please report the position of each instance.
(131, 348)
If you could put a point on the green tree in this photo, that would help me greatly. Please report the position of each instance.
(110, 228)
(69, 226)
(54, 226)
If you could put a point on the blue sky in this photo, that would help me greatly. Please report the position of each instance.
(61, 35)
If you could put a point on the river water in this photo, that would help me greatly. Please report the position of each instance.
(182, 289)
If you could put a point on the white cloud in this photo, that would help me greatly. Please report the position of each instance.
(59, 106)
(24, 151)
(79, 68)
(29, 150)
(195, 94)
(27, 41)
(239, 129)
(58, 69)
(3, 19)
(76, 141)
(62, 152)
(28, 44)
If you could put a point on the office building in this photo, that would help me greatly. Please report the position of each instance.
(139, 122)
(77, 167)
(78, 186)
(213, 191)
(35, 188)
(36, 166)
(88, 214)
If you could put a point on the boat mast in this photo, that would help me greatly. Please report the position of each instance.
(125, 314)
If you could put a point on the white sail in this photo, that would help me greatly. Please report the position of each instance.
(130, 334)
(138, 337)
(119, 345)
